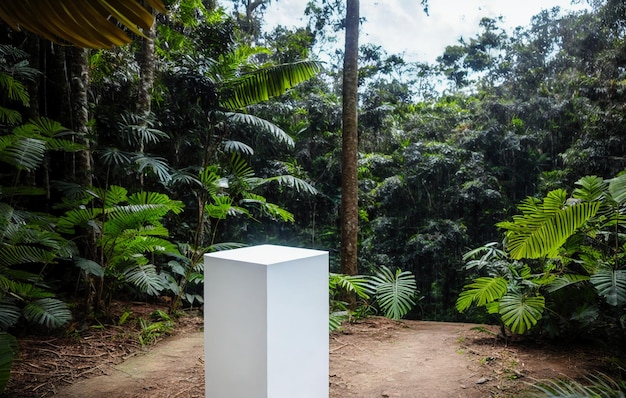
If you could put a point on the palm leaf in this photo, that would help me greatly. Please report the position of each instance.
(48, 312)
(21, 152)
(262, 125)
(482, 291)
(9, 313)
(293, 182)
(232, 146)
(395, 293)
(617, 188)
(90, 267)
(610, 284)
(565, 280)
(358, 284)
(543, 229)
(262, 84)
(85, 23)
(145, 278)
(8, 349)
(520, 312)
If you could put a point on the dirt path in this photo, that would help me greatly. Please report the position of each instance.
(376, 358)
(417, 360)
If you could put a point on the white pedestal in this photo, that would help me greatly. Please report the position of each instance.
(266, 323)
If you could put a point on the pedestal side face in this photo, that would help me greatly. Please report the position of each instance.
(297, 322)
(235, 329)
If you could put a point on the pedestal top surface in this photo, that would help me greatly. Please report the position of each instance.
(266, 254)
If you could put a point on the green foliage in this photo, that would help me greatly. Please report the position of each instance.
(543, 228)
(572, 266)
(482, 291)
(8, 350)
(152, 330)
(395, 292)
(595, 386)
(129, 234)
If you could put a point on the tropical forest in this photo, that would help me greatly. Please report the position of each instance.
(488, 187)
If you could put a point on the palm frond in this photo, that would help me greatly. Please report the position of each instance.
(9, 313)
(565, 280)
(262, 124)
(89, 267)
(294, 182)
(610, 284)
(482, 291)
(48, 312)
(22, 153)
(262, 84)
(617, 188)
(90, 24)
(395, 292)
(231, 146)
(159, 166)
(543, 228)
(145, 278)
(520, 312)
(8, 350)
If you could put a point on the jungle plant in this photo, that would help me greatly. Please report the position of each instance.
(394, 292)
(556, 244)
(129, 238)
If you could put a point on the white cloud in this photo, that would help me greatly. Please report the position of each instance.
(401, 26)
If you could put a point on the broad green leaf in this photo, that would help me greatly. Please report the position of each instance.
(520, 312)
(610, 284)
(481, 292)
(48, 312)
(395, 293)
(617, 188)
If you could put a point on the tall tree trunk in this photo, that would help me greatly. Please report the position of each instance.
(146, 61)
(78, 65)
(349, 145)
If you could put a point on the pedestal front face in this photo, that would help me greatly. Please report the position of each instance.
(266, 323)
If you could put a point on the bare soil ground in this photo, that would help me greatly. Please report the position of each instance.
(374, 358)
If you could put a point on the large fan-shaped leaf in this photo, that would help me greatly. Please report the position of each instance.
(395, 293)
(481, 292)
(22, 153)
(48, 312)
(90, 267)
(145, 278)
(9, 313)
(85, 23)
(262, 125)
(565, 280)
(610, 284)
(617, 188)
(520, 312)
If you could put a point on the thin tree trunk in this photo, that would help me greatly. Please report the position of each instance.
(349, 183)
(78, 60)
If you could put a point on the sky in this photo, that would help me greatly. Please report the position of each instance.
(402, 27)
